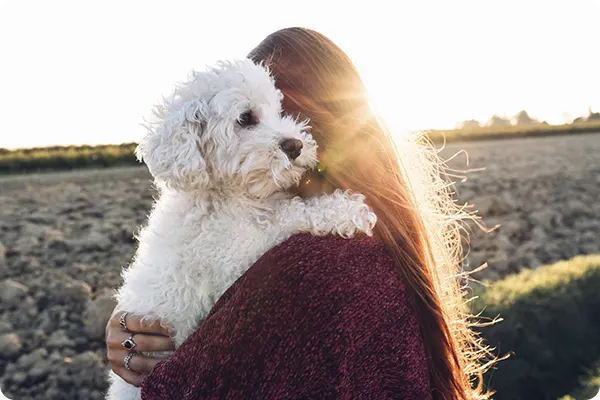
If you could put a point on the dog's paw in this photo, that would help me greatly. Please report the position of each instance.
(358, 217)
(341, 213)
(364, 219)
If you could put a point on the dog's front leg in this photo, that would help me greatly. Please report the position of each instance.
(121, 390)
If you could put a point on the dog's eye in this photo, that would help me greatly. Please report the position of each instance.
(247, 119)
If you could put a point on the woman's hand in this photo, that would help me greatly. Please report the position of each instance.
(147, 338)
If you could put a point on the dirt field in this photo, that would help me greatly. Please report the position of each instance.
(64, 238)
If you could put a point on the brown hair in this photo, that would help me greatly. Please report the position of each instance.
(404, 182)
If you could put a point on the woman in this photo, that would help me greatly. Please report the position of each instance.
(375, 317)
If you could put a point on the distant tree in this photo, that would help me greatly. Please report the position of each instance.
(498, 122)
(469, 124)
(522, 118)
(593, 116)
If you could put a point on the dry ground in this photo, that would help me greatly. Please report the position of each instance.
(66, 236)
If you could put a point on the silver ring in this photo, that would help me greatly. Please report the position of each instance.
(128, 343)
(122, 321)
(127, 360)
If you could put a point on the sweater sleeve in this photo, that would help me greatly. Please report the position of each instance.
(314, 318)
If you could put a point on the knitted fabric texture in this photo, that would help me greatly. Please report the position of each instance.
(313, 318)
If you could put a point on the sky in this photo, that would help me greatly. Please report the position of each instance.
(87, 72)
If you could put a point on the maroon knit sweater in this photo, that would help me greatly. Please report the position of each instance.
(313, 318)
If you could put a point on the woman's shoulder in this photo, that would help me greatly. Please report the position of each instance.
(306, 240)
(311, 269)
(361, 260)
(306, 244)
(326, 253)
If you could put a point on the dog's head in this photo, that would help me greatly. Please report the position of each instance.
(224, 128)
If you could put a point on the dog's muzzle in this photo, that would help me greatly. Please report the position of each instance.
(291, 147)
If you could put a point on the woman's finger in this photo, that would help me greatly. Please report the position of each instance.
(116, 358)
(138, 363)
(134, 324)
(143, 365)
(130, 377)
(150, 343)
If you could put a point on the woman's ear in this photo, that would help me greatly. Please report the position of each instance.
(172, 148)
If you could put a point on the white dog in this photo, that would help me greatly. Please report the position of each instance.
(222, 155)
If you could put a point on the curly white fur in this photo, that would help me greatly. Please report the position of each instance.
(222, 197)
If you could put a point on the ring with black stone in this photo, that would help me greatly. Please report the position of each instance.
(128, 343)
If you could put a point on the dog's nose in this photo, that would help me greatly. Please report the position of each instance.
(291, 147)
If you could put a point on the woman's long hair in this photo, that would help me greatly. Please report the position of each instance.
(404, 181)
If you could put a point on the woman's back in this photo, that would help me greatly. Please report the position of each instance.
(341, 298)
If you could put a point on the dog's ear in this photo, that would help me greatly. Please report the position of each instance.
(172, 147)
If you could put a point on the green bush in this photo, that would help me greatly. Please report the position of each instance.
(512, 131)
(589, 386)
(66, 158)
(551, 327)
